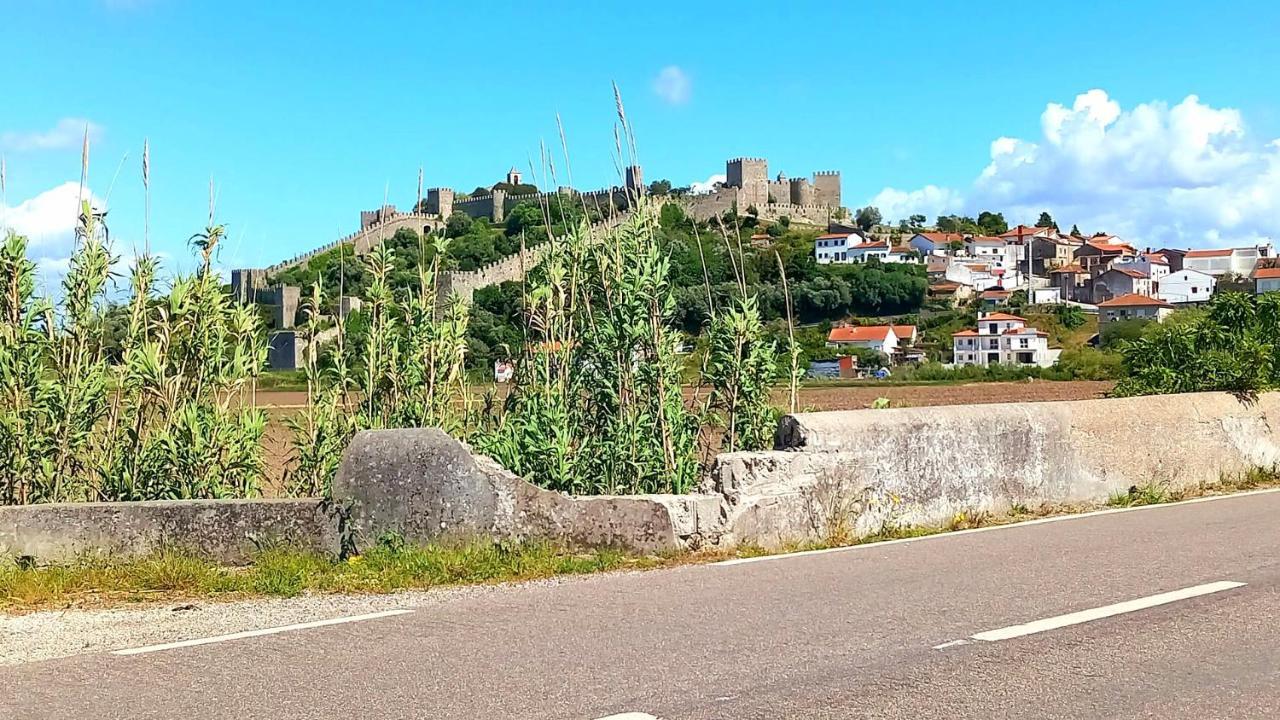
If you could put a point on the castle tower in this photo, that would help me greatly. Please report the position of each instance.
(751, 177)
(513, 176)
(826, 188)
(635, 180)
(801, 192)
(440, 202)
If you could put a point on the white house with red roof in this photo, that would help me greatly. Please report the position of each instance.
(1218, 262)
(891, 340)
(1002, 339)
(934, 243)
(1186, 286)
(848, 247)
(834, 247)
(1266, 277)
(1133, 307)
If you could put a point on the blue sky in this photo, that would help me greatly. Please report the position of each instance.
(305, 117)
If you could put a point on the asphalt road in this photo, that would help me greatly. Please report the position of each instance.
(844, 634)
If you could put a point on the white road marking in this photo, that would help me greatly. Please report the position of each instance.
(629, 716)
(989, 528)
(259, 633)
(1076, 618)
(953, 643)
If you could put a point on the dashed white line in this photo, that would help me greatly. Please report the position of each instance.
(630, 716)
(989, 528)
(259, 633)
(1076, 618)
(953, 643)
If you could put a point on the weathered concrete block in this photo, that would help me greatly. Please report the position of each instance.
(426, 486)
(229, 531)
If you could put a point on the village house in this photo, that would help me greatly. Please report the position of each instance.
(1186, 286)
(850, 247)
(934, 243)
(974, 274)
(1002, 339)
(1119, 281)
(834, 247)
(1237, 261)
(1133, 307)
(1000, 252)
(891, 341)
(995, 297)
(1266, 277)
(953, 292)
(1173, 256)
(1023, 233)
(863, 252)
(1096, 256)
(1050, 253)
(1071, 280)
(904, 254)
(1153, 265)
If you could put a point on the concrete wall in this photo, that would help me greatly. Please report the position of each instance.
(862, 470)
(942, 460)
(229, 531)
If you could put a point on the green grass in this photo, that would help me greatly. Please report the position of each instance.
(282, 380)
(396, 565)
(285, 573)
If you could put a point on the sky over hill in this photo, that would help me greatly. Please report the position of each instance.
(1154, 121)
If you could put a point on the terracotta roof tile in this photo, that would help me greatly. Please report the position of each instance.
(1134, 300)
(858, 333)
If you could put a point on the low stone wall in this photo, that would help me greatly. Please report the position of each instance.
(229, 531)
(855, 471)
(916, 466)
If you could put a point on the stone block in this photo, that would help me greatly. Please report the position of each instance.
(228, 531)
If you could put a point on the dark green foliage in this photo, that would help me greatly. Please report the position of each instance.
(992, 223)
(1046, 221)
(1234, 346)
(867, 217)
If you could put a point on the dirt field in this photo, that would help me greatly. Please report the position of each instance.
(838, 397)
(857, 397)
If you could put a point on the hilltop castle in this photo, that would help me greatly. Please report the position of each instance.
(747, 185)
(746, 188)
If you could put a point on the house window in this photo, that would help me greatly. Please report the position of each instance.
(993, 344)
(1022, 342)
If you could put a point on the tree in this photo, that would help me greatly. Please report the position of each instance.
(1075, 231)
(992, 223)
(958, 224)
(915, 222)
(458, 224)
(524, 216)
(1046, 221)
(867, 217)
(660, 187)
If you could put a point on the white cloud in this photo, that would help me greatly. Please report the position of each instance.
(49, 222)
(67, 133)
(1187, 174)
(929, 200)
(673, 85)
(706, 186)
